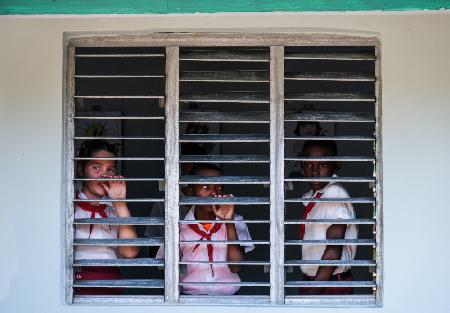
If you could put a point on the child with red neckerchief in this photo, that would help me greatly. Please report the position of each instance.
(206, 271)
(101, 191)
(326, 210)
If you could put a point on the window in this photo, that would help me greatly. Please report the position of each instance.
(246, 102)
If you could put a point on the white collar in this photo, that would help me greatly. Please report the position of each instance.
(82, 196)
(191, 216)
(312, 194)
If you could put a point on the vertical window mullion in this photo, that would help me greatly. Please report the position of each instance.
(277, 174)
(172, 176)
(69, 174)
(379, 179)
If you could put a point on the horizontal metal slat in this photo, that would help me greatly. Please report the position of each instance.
(226, 76)
(118, 97)
(225, 117)
(120, 262)
(120, 242)
(228, 242)
(335, 138)
(121, 200)
(224, 158)
(358, 300)
(367, 221)
(119, 117)
(354, 117)
(330, 76)
(121, 283)
(232, 96)
(121, 221)
(118, 138)
(230, 200)
(120, 179)
(226, 262)
(302, 283)
(333, 179)
(241, 284)
(331, 200)
(337, 56)
(330, 96)
(333, 158)
(330, 262)
(225, 221)
(224, 56)
(118, 299)
(118, 76)
(229, 180)
(225, 138)
(121, 159)
(332, 242)
(121, 55)
(227, 300)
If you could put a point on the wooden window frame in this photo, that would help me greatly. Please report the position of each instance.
(173, 42)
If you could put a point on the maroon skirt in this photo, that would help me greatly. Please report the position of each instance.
(97, 273)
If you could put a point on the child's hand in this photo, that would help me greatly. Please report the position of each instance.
(224, 211)
(116, 189)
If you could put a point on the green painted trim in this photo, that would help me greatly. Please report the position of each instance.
(28, 7)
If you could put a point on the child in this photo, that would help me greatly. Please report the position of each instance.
(104, 190)
(204, 272)
(158, 208)
(323, 210)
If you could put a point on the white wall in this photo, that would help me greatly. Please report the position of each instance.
(416, 121)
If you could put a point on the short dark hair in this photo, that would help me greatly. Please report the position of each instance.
(328, 144)
(192, 149)
(204, 166)
(90, 147)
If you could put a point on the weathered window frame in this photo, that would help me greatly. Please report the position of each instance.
(172, 42)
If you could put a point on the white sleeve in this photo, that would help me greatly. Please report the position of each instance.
(160, 253)
(243, 234)
(339, 210)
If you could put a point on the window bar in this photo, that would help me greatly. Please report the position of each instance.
(157, 179)
(69, 166)
(120, 262)
(121, 221)
(171, 291)
(379, 180)
(121, 55)
(277, 175)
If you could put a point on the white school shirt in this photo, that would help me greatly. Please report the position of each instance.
(98, 232)
(202, 272)
(323, 210)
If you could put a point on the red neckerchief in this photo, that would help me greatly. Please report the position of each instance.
(99, 209)
(207, 236)
(306, 211)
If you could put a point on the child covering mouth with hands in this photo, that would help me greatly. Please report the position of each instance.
(100, 191)
(211, 229)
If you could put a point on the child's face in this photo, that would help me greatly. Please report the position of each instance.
(98, 169)
(318, 168)
(207, 190)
